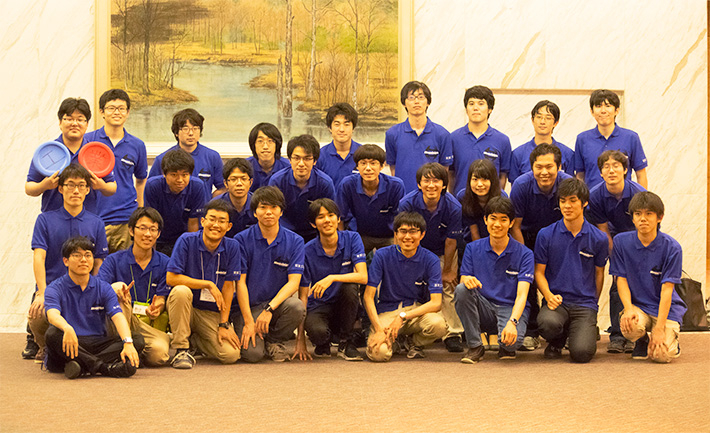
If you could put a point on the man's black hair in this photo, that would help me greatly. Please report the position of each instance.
(309, 144)
(76, 243)
(147, 212)
(411, 219)
(341, 109)
(112, 95)
(500, 204)
(177, 159)
(369, 151)
(269, 195)
(326, 203)
(270, 131)
(242, 164)
(70, 105)
(551, 107)
(181, 117)
(544, 149)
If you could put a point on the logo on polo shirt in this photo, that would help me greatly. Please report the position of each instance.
(586, 254)
(386, 209)
(221, 272)
(655, 273)
(97, 308)
(127, 162)
(282, 263)
(511, 272)
(431, 153)
(491, 154)
(204, 175)
(347, 263)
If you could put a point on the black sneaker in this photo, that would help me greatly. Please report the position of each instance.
(415, 352)
(322, 351)
(473, 355)
(616, 346)
(629, 346)
(349, 352)
(505, 354)
(120, 369)
(400, 346)
(641, 348)
(72, 370)
(453, 344)
(552, 352)
(30, 350)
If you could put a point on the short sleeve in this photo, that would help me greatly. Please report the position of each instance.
(541, 245)
(617, 264)
(434, 274)
(467, 263)
(638, 159)
(40, 233)
(101, 244)
(141, 171)
(390, 146)
(155, 169)
(506, 156)
(601, 255)
(517, 196)
(446, 156)
(217, 176)
(357, 249)
(178, 260)
(454, 229)
(107, 271)
(374, 273)
(672, 265)
(297, 257)
(578, 160)
(527, 265)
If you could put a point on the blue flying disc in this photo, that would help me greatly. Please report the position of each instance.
(50, 157)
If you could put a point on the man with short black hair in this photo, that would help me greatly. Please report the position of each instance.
(417, 140)
(442, 214)
(302, 183)
(336, 158)
(272, 265)
(238, 174)
(478, 140)
(330, 287)
(545, 117)
(570, 256)
(131, 162)
(202, 271)
(51, 230)
(74, 115)
(187, 127)
(265, 144)
(137, 275)
(177, 196)
(369, 199)
(77, 306)
(607, 135)
(404, 273)
(496, 273)
(609, 211)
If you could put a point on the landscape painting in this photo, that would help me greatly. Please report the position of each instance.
(241, 62)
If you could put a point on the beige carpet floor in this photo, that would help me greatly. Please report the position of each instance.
(438, 394)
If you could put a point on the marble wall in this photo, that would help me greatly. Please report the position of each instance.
(654, 53)
(47, 53)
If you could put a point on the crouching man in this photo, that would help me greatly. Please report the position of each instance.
(406, 274)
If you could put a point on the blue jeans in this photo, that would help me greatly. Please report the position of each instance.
(577, 323)
(478, 314)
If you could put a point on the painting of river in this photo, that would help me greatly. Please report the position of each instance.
(241, 62)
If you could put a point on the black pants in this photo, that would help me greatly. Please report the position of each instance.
(577, 323)
(337, 319)
(95, 352)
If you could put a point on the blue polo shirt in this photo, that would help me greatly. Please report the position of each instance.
(54, 227)
(590, 144)
(492, 145)
(572, 261)
(176, 209)
(192, 258)
(371, 216)
(295, 216)
(536, 208)
(51, 199)
(443, 223)
(403, 280)
(499, 275)
(408, 151)
(267, 267)
(468, 220)
(208, 167)
(122, 266)
(333, 165)
(240, 220)
(131, 161)
(605, 208)
(349, 252)
(520, 163)
(85, 310)
(647, 268)
(261, 178)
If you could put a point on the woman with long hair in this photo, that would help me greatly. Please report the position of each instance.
(483, 184)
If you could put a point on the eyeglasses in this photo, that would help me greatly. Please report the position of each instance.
(79, 256)
(152, 230)
(220, 221)
(298, 159)
(111, 110)
(79, 121)
(413, 98)
(262, 141)
(404, 232)
(71, 186)
(242, 179)
(188, 129)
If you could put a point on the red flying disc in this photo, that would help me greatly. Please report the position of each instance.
(50, 157)
(98, 158)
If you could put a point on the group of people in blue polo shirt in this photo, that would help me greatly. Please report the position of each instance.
(230, 260)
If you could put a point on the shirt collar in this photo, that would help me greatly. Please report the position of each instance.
(488, 248)
(415, 258)
(614, 133)
(259, 236)
(202, 247)
(419, 202)
(320, 251)
(562, 228)
(427, 128)
(67, 216)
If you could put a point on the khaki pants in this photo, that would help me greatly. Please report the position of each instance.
(118, 237)
(39, 327)
(645, 324)
(448, 310)
(157, 343)
(202, 325)
(424, 330)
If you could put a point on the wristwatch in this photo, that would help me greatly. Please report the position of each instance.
(268, 308)
(514, 320)
(403, 316)
(127, 340)
(224, 325)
